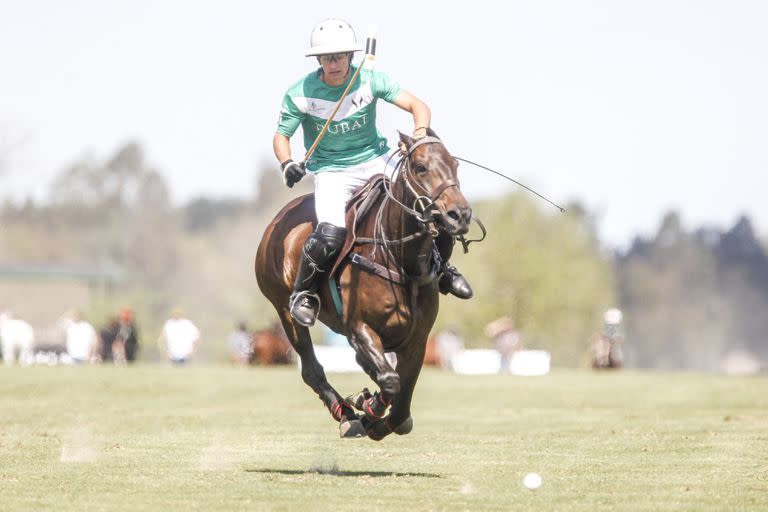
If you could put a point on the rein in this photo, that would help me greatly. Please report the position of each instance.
(426, 216)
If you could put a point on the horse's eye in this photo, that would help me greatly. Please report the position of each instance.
(420, 169)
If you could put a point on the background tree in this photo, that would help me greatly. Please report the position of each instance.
(543, 269)
(691, 297)
(743, 278)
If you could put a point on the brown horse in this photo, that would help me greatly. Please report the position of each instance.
(270, 346)
(386, 275)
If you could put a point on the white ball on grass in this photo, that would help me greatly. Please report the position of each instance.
(532, 481)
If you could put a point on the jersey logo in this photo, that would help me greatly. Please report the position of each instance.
(344, 126)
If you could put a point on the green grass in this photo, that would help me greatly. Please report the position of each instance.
(217, 438)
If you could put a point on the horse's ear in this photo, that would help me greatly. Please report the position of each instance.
(405, 139)
(431, 133)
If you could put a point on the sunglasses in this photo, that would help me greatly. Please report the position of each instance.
(333, 57)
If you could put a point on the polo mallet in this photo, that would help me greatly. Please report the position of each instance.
(368, 61)
(529, 189)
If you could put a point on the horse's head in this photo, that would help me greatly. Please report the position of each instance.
(430, 175)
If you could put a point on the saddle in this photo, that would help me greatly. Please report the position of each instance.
(358, 207)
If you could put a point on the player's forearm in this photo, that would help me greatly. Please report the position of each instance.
(282, 147)
(422, 116)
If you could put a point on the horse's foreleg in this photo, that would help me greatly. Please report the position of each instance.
(373, 405)
(399, 419)
(314, 376)
(409, 368)
(370, 356)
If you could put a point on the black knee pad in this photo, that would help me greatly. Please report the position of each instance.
(325, 242)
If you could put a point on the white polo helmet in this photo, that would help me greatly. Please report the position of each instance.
(613, 316)
(332, 36)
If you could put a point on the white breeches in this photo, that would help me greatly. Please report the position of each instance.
(334, 188)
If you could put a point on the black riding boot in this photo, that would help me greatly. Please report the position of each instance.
(317, 257)
(451, 281)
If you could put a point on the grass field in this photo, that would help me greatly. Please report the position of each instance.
(218, 438)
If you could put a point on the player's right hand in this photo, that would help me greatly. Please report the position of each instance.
(293, 172)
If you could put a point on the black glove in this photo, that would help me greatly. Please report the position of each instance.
(293, 172)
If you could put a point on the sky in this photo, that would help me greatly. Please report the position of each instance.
(631, 107)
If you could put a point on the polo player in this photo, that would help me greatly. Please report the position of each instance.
(349, 153)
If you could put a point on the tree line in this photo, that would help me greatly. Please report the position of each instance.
(694, 296)
(688, 296)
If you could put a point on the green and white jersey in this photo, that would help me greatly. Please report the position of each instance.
(352, 137)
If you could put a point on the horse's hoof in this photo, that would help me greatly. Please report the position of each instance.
(351, 428)
(405, 427)
(376, 430)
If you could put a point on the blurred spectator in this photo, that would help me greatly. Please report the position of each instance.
(127, 339)
(239, 343)
(505, 338)
(16, 335)
(180, 338)
(606, 349)
(82, 341)
(107, 335)
(448, 345)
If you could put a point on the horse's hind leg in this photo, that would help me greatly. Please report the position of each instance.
(314, 376)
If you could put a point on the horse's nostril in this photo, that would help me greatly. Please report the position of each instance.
(460, 215)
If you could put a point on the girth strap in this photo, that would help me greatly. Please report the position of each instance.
(363, 240)
(391, 275)
(376, 269)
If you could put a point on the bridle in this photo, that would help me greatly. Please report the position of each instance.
(424, 208)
